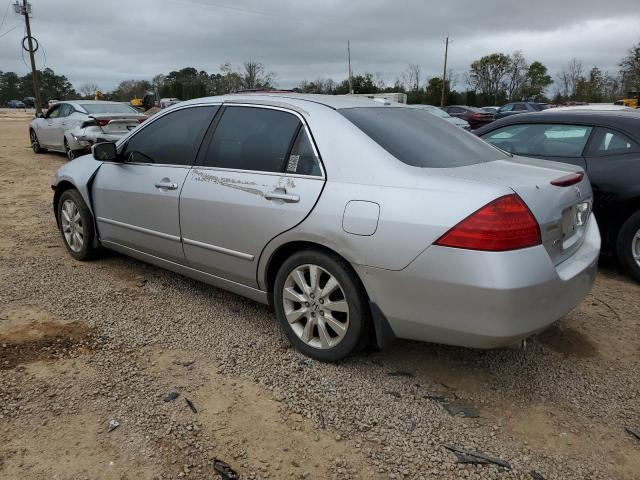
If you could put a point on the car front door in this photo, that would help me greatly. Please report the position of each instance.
(47, 126)
(136, 200)
(259, 176)
(59, 125)
(613, 166)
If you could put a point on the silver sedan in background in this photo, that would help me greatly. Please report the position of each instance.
(352, 218)
(73, 127)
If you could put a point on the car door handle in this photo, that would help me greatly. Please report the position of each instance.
(167, 185)
(287, 197)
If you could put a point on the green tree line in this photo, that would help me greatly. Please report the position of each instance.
(493, 79)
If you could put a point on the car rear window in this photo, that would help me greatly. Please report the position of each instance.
(420, 139)
(107, 108)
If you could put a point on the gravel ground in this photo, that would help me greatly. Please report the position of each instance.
(85, 343)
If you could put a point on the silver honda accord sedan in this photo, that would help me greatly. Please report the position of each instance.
(354, 219)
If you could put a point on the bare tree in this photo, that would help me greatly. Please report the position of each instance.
(255, 76)
(516, 75)
(411, 77)
(88, 89)
(569, 77)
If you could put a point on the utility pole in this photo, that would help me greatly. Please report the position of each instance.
(444, 73)
(25, 10)
(349, 55)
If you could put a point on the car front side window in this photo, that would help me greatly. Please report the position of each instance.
(54, 112)
(253, 138)
(172, 139)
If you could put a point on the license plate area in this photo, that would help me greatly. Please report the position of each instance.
(574, 220)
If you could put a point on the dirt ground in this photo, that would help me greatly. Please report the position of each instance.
(74, 355)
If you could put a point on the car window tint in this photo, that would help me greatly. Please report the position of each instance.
(541, 139)
(302, 159)
(507, 108)
(609, 142)
(172, 139)
(419, 139)
(252, 138)
(519, 107)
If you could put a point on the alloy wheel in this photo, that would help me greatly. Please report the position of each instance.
(635, 247)
(35, 145)
(72, 227)
(315, 306)
(68, 151)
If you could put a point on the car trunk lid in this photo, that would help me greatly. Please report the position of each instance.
(117, 123)
(562, 211)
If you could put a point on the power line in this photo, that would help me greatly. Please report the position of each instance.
(5, 15)
(10, 30)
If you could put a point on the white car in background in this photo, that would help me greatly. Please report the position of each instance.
(438, 112)
(73, 127)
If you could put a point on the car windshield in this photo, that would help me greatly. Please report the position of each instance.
(415, 137)
(107, 108)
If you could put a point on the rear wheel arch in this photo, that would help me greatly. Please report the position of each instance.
(280, 255)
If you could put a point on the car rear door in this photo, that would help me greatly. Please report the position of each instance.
(258, 176)
(136, 201)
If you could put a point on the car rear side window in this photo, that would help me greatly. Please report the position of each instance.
(252, 138)
(547, 140)
(420, 139)
(303, 159)
(172, 139)
(608, 142)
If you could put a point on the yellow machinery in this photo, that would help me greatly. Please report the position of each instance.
(136, 102)
(632, 100)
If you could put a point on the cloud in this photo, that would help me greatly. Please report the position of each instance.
(106, 42)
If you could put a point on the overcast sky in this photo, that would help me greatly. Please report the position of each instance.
(107, 41)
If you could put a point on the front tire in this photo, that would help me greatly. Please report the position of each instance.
(321, 305)
(628, 246)
(76, 225)
(35, 143)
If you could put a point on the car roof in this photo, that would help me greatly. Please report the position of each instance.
(296, 100)
(625, 120)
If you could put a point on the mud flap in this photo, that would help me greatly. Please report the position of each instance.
(385, 337)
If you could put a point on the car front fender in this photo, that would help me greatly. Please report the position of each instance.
(79, 173)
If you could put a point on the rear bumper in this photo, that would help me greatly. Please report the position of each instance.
(482, 299)
(82, 139)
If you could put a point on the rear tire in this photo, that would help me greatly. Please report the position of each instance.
(35, 143)
(76, 226)
(628, 246)
(321, 305)
(71, 154)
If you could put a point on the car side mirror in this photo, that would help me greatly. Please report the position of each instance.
(105, 152)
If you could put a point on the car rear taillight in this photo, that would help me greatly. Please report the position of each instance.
(504, 224)
(568, 180)
(103, 123)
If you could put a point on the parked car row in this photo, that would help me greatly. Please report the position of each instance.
(351, 217)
